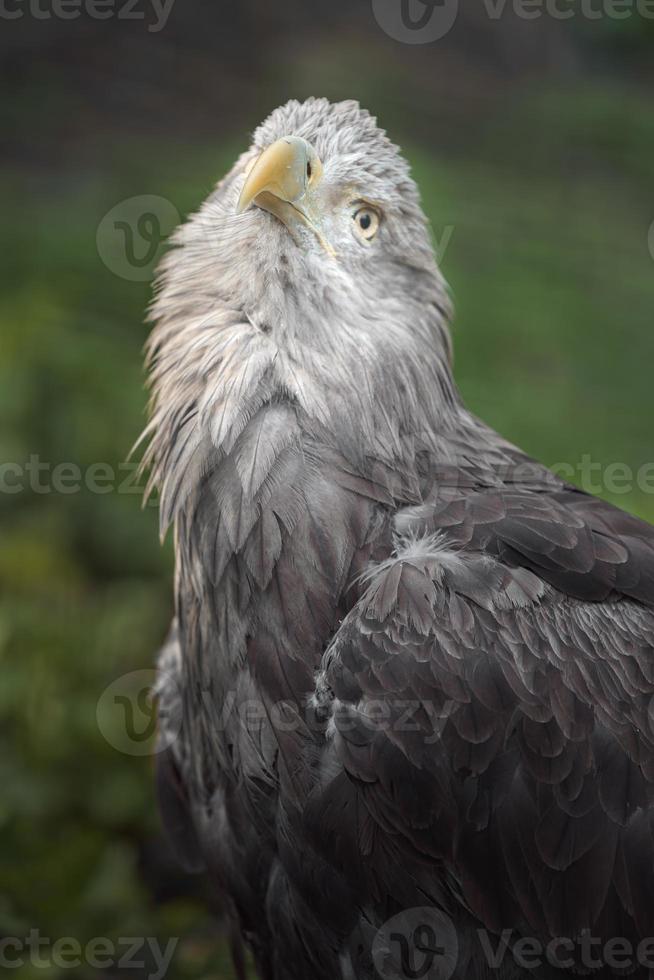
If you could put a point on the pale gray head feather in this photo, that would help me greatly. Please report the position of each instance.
(245, 316)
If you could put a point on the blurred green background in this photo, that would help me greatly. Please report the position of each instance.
(533, 143)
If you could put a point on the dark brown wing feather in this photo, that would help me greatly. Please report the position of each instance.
(522, 636)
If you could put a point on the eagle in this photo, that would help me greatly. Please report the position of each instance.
(405, 706)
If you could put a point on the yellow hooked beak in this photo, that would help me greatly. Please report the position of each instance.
(285, 181)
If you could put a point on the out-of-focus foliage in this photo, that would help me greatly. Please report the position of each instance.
(541, 201)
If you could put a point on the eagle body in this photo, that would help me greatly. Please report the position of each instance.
(411, 671)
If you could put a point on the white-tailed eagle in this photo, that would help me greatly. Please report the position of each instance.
(410, 668)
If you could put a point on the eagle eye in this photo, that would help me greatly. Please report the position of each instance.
(366, 222)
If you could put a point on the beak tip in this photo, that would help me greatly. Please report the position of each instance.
(244, 203)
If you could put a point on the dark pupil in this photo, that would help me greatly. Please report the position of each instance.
(365, 221)
(309, 170)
